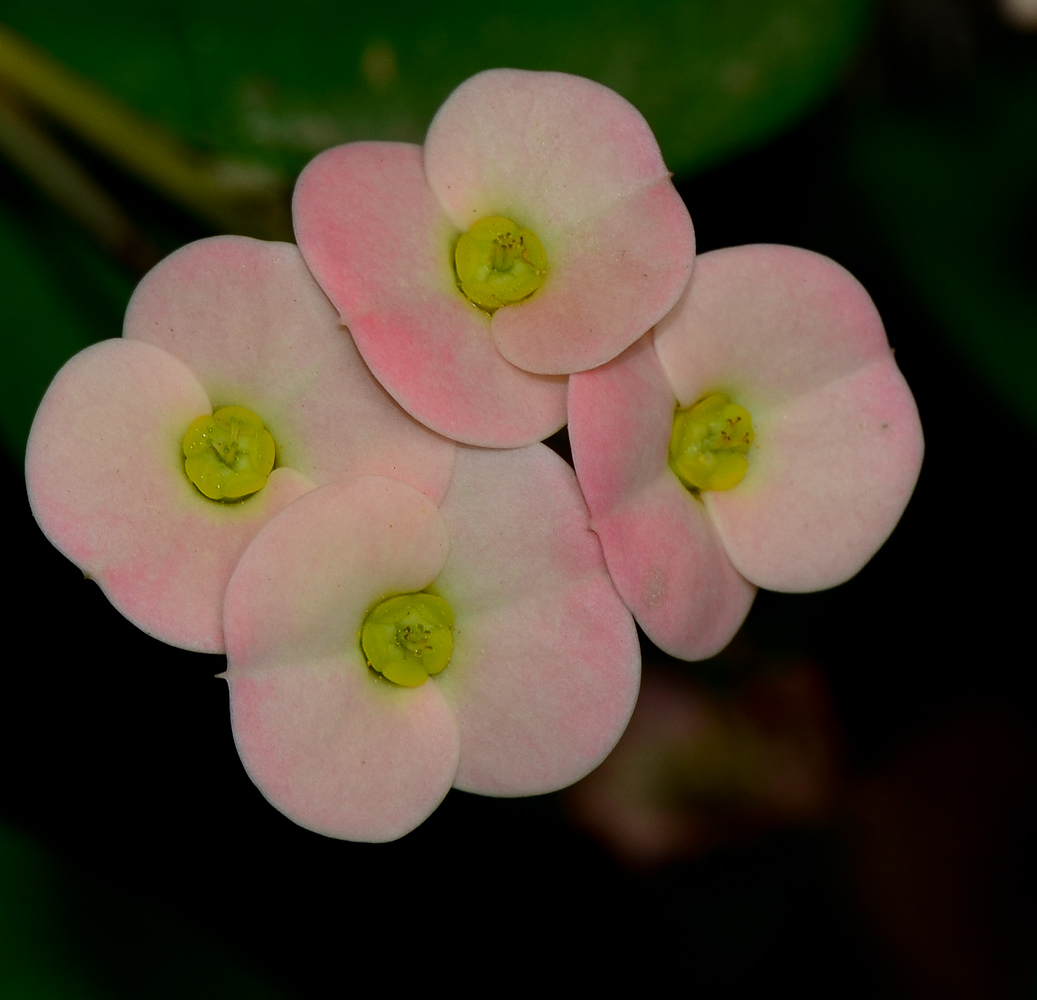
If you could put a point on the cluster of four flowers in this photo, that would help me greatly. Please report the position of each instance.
(349, 516)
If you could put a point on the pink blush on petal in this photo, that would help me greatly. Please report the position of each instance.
(173, 587)
(563, 147)
(672, 571)
(546, 661)
(377, 242)
(106, 481)
(339, 753)
(766, 323)
(550, 685)
(335, 747)
(620, 420)
(667, 562)
(309, 578)
(833, 472)
(258, 332)
(636, 257)
(378, 224)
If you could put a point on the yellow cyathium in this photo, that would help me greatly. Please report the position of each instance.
(408, 638)
(228, 454)
(499, 263)
(709, 443)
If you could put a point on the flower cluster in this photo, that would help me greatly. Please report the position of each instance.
(326, 461)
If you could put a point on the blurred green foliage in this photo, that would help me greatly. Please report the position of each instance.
(59, 295)
(281, 81)
(952, 188)
(274, 83)
(69, 937)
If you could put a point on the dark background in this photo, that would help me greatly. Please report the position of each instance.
(148, 864)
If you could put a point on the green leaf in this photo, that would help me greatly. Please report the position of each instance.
(59, 296)
(951, 190)
(281, 81)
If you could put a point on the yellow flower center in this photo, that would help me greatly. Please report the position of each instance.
(408, 638)
(499, 263)
(228, 454)
(709, 443)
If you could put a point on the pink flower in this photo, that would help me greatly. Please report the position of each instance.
(836, 448)
(560, 157)
(542, 676)
(225, 321)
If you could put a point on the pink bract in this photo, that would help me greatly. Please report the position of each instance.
(568, 158)
(795, 339)
(225, 321)
(545, 665)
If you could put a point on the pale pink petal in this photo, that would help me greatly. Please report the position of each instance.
(339, 756)
(546, 662)
(329, 743)
(610, 279)
(560, 146)
(620, 419)
(106, 481)
(576, 163)
(831, 477)
(795, 339)
(765, 324)
(664, 556)
(256, 329)
(376, 239)
(671, 569)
